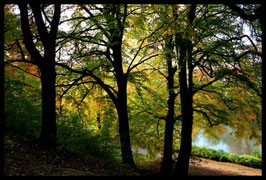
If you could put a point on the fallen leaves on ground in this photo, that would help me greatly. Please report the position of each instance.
(24, 158)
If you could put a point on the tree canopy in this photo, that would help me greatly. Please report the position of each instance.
(134, 76)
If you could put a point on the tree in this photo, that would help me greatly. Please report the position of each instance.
(191, 62)
(166, 167)
(2, 117)
(45, 63)
(109, 61)
(256, 14)
(114, 33)
(102, 64)
(212, 68)
(248, 12)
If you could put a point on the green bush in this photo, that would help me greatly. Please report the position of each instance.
(256, 153)
(23, 117)
(223, 156)
(74, 136)
(250, 161)
(22, 109)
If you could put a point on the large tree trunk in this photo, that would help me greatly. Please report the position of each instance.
(48, 128)
(166, 168)
(2, 103)
(182, 164)
(186, 96)
(127, 156)
(46, 65)
(121, 105)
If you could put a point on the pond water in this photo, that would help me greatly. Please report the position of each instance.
(228, 143)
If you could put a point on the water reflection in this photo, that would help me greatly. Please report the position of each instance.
(228, 143)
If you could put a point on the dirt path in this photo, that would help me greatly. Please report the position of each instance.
(28, 159)
(213, 168)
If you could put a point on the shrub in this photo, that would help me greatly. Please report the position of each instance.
(256, 153)
(74, 136)
(223, 156)
(22, 109)
(23, 118)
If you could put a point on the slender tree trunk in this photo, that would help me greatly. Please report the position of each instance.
(186, 96)
(46, 65)
(48, 128)
(99, 120)
(2, 103)
(127, 156)
(121, 105)
(182, 164)
(166, 168)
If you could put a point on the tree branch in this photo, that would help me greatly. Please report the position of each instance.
(42, 30)
(108, 89)
(55, 21)
(242, 14)
(24, 70)
(206, 115)
(27, 35)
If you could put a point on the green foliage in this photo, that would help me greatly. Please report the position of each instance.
(256, 153)
(79, 139)
(85, 46)
(223, 156)
(23, 115)
(12, 24)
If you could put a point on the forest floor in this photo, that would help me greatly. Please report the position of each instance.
(207, 167)
(25, 158)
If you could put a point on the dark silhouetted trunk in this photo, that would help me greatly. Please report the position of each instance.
(46, 65)
(2, 103)
(115, 21)
(166, 168)
(121, 105)
(182, 164)
(48, 127)
(186, 97)
(127, 156)
(99, 120)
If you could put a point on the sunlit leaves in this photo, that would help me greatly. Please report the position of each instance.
(227, 88)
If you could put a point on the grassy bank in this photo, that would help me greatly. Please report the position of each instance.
(219, 155)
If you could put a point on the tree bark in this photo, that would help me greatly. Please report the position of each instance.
(121, 105)
(166, 168)
(46, 65)
(182, 164)
(186, 96)
(127, 156)
(48, 128)
(2, 103)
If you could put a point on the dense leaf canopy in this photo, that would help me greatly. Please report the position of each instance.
(113, 55)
